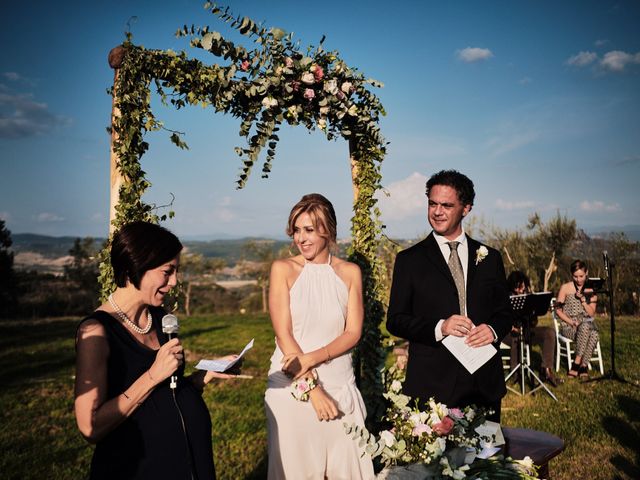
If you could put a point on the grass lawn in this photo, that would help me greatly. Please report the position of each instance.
(599, 421)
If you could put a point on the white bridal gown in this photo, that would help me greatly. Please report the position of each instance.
(301, 446)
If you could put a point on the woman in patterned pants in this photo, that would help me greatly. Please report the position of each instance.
(576, 307)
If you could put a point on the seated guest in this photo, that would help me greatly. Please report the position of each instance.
(519, 284)
(576, 307)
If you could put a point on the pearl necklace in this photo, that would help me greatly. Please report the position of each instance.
(129, 323)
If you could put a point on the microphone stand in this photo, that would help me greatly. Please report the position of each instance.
(610, 374)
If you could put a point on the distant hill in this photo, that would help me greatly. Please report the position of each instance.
(26, 245)
(48, 247)
(632, 232)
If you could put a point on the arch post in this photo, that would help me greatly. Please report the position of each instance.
(116, 57)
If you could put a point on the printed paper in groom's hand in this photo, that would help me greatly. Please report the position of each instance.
(472, 358)
(219, 365)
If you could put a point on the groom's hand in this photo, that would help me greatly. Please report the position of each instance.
(480, 336)
(457, 325)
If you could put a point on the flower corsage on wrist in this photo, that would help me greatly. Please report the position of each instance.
(301, 388)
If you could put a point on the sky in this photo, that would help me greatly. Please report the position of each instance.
(538, 102)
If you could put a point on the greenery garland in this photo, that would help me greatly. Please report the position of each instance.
(265, 87)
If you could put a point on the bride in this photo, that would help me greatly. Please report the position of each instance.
(315, 303)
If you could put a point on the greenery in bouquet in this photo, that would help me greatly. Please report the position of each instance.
(434, 442)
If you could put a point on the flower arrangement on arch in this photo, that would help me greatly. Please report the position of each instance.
(436, 442)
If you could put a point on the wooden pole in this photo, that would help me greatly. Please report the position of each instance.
(116, 56)
(354, 169)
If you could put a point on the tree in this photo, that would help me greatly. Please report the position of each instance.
(551, 240)
(83, 273)
(7, 276)
(260, 255)
(195, 269)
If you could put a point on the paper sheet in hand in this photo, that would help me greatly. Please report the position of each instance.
(219, 365)
(471, 358)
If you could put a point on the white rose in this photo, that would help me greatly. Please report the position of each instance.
(388, 438)
(396, 385)
(331, 86)
(346, 87)
(308, 78)
(268, 102)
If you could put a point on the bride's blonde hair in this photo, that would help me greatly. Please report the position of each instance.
(322, 215)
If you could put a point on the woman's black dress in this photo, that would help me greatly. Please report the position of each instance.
(151, 443)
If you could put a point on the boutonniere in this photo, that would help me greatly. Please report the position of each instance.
(481, 254)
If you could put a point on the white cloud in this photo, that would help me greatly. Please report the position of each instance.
(616, 60)
(629, 160)
(505, 143)
(474, 54)
(510, 205)
(21, 116)
(6, 216)
(582, 59)
(598, 206)
(222, 211)
(406, 198)
(13, 76)
(525, 81)
(47, 217)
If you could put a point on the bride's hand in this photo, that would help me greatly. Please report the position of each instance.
(297, 365)
(323, 404)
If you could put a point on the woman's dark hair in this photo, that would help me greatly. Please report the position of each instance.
(138, 247)
(578, 265)
(322, 215)
(517, 278)
(456, 180)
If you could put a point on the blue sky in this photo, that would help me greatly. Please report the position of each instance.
(538, 102)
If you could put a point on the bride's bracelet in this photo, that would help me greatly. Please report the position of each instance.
(301, 388)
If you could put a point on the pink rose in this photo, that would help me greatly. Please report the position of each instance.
(444, 427)
(456, 413)
(244, 66)
(420, 429)
(309, 94)
(295, 85)
(318, 73)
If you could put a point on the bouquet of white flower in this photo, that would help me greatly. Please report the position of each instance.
(434, 443)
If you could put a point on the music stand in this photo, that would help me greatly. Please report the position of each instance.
(526, 305)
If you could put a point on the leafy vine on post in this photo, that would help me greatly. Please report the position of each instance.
(274, 83)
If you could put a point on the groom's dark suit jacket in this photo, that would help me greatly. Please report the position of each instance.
(423, 292)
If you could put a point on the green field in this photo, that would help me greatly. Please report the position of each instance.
(599, 421)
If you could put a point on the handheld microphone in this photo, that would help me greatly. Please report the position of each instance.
(605, 258)
(170, 327)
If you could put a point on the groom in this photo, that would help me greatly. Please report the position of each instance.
(450, 284)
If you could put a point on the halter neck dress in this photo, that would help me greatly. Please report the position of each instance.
(300, 446)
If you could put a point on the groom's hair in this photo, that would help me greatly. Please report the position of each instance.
(456, 180)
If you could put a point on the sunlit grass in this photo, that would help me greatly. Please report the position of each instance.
(599, 421)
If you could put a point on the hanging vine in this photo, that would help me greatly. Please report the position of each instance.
(274, 83)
